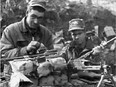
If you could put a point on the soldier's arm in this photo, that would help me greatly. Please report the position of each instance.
(7, 45)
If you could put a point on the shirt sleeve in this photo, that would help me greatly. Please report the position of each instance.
(7, 45)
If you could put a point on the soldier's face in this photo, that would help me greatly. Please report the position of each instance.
(78, 36)
(34, 18)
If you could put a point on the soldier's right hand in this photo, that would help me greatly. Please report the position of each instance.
(33, 46)
(97, 50)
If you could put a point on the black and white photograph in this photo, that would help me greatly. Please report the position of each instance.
(57, 43)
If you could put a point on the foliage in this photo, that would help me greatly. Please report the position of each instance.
(58, 14)
(12, 11)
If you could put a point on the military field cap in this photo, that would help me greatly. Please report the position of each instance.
(76, 24)
(39, 3)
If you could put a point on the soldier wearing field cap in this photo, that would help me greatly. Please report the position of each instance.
(81, 42)
(24, 37)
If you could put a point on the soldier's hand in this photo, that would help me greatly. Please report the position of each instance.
(97, 50)
(113, 46)
(33, 46)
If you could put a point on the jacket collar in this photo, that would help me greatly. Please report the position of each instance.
(25, 28)
(23, 23)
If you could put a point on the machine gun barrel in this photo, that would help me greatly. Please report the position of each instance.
(108, 41)
(101, 45)
(46, 54)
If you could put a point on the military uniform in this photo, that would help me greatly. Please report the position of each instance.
(19, 36)
(75, 49)
(109, 53)
(89, 44)
(81, 48)
(16, 37)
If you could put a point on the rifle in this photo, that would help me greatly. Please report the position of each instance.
(39, 57)
(82, 64)
(101, 45)
(90, 52)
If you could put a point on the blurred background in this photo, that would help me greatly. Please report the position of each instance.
(96, 13)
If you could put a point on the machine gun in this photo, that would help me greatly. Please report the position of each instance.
(39, 57)
(101, 45)
(82, 64)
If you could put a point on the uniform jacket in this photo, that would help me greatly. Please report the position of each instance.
(16, 37)
(75, 50)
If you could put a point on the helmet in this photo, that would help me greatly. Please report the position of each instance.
(76, 24)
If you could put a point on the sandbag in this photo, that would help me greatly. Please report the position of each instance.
(47, 81)
(44, 69)
(22, 65)
(58, 63)
(17, 78)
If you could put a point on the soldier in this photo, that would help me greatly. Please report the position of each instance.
(110, 50)
(24, 37)
(82, 42)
